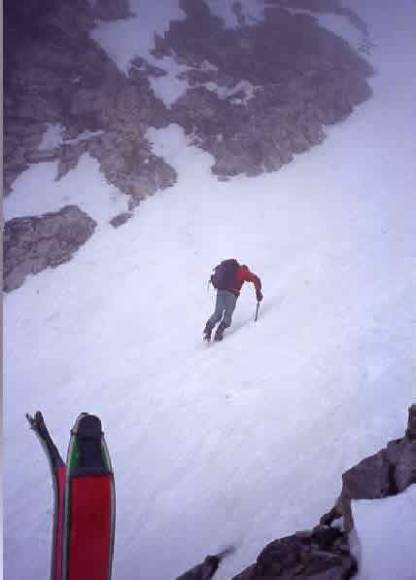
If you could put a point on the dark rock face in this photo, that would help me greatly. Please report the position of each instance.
(321, 553)
(279, 83)
(59, 75)
(31, 244)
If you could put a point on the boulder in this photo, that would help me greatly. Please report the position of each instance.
(120, 219)
(32, 244)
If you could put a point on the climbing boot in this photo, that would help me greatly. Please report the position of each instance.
(207, 332)
(219, 333)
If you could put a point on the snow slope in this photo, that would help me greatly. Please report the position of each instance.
(36, 192)
(245, 441)
(386, 530)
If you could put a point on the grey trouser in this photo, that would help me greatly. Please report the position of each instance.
(224, 305)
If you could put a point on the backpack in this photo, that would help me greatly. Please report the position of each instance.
(224, 275)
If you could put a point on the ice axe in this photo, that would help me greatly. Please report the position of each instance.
(257, 311)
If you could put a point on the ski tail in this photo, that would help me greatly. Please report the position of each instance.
(89, 504)
(58, 470)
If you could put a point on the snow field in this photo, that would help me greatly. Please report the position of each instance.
(244, 441)
(36, 192)
(387, 526)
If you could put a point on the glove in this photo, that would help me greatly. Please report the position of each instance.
(259, 295)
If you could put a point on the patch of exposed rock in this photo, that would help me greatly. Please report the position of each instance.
(264, 92)
(32, 244)
(56, 74)
(258, 93)
(324, 552)
(120, 219)
(386, 473)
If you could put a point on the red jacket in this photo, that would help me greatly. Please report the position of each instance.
(245, 275)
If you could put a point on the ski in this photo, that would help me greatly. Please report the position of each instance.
(89, 504)
(58, 470)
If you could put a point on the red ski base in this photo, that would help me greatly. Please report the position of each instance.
(90, 529)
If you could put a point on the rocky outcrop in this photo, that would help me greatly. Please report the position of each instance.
(260, 94)
(59, 75)
(32, 244)
(322, 553)
(386, 473)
